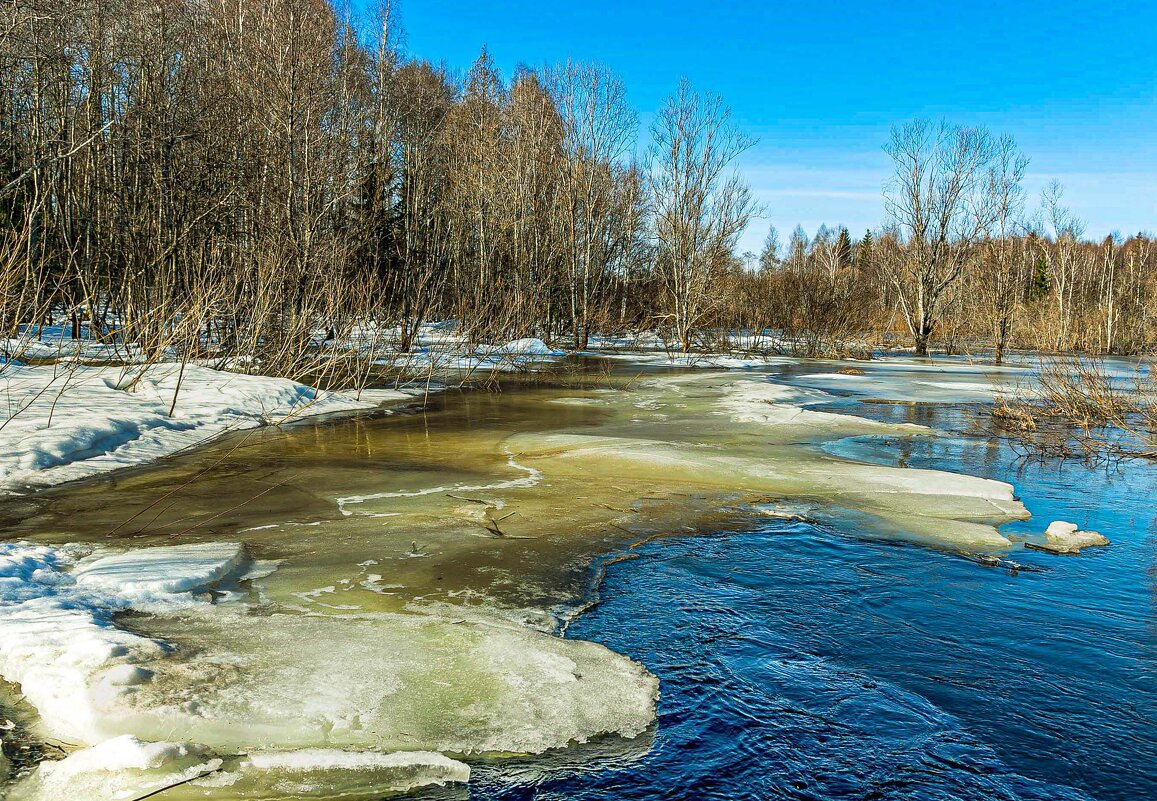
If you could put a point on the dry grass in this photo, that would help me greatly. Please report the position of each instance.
(1077, 407)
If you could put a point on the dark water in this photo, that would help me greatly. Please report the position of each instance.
(801, 663)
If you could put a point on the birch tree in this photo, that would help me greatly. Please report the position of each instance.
(935, 200)
(701, 206)
(1001, 268)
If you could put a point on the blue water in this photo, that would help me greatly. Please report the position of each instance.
(799, 662)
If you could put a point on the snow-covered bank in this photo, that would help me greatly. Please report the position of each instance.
(61, 423)
(155, 713)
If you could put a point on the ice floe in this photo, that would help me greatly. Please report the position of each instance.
(125, 767)
(369, 682)
(316, 772)
(771, 403)
(118, 769)
(913, 381)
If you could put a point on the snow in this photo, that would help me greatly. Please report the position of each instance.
(174, 569)
(527, 347)
(63, 424)
(774, 404)
(1063, 537)
(57, 635)
(117, 769)
(128, 768)
(46, 342)
(697, 360)
(916, 381)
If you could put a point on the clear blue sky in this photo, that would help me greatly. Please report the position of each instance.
(821, 83)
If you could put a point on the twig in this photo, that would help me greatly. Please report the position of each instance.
(177, 784)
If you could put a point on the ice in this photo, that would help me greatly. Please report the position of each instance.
(1064, 538)
(118, 769)
(371, 682)
(128, 768)
(57, 635)
(174, 569)
(531, 478)
(386, 681)
(912, 381)
(928, 506)
(776, 404)
(314, 772)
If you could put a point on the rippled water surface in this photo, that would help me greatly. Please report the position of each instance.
(798, 662)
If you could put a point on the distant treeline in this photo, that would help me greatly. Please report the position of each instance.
(265, 176)
(1037, 288)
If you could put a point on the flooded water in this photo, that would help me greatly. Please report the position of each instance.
(801, 663)
(816, 619)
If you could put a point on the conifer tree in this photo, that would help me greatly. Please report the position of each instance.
(844, 248)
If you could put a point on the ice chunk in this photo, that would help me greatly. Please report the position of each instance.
(1059, 531)
(928, 506)
(394, 682)
(316, 772)
(774, 404)
(120, 768)
(1063, 538)
(525, 347)
(167, 569)
(57, 635)
(388, 682)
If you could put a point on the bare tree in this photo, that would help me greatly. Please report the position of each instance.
(935, 199)
(1000, 271)
(769, 256)
(700, 209)
(599, 129)
(1065, 261)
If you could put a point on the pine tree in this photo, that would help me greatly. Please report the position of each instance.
(844, 248)
(1040, 285)
(864, 252)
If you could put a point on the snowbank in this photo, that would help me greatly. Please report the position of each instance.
(526, 347)
(62, 424)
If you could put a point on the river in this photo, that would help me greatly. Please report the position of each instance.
(810, 640)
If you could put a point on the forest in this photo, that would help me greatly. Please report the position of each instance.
(280, 180)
